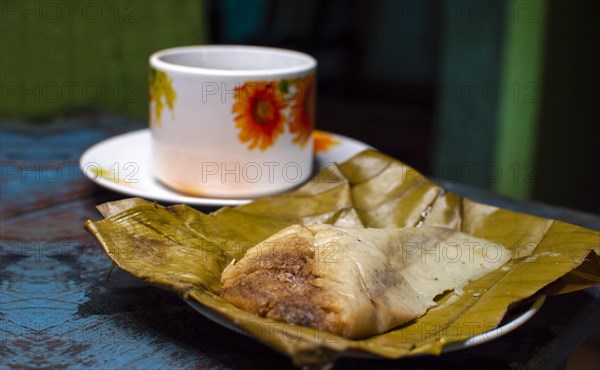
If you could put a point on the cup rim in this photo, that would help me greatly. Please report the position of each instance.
(156, 60)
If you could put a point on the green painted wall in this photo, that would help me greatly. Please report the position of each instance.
(469, 91)
(521, 82)
(518, 99)
(58, 56)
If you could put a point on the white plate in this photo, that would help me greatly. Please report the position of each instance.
(124, 164)
(506, 328)
(529, 309)
(126, 167)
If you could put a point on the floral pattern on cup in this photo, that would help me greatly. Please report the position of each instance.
(303, 110)
(263, 110)
(260, 118)
(160, 87)
(323, 141)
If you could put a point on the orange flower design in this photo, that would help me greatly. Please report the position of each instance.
(323, 141)
(259, 108)
(303, 110)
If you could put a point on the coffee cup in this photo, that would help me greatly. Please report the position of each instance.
(232, 121)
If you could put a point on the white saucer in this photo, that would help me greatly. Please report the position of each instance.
(124, 164)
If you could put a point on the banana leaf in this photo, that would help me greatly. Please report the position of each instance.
(183, 250)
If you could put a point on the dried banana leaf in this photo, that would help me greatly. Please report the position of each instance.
(183, 250)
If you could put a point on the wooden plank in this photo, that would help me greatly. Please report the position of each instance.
(58, 311)
(40, 164)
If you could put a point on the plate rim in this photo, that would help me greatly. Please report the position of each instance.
(473, 341)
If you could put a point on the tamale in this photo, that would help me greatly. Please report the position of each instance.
(355, 282)
(549, 257)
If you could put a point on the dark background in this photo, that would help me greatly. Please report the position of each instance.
(416, 79)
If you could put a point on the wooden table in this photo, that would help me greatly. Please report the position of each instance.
(57, 310)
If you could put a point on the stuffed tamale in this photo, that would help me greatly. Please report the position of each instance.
(355, 282)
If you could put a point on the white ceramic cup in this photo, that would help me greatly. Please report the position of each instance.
(232, 121)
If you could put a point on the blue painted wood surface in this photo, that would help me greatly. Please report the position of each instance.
(58, 311)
